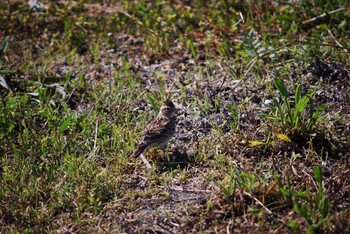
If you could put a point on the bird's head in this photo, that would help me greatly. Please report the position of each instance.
(168, 109)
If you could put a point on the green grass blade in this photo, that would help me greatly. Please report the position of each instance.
(324, 206)
(3, 47)
(318, 174)
(283, 91)
(315, 116)
(281, 88)
(297, 95)
(273, 117)
(299, 108)
(280, 112)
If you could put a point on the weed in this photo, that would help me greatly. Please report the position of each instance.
(292, 119)
(314, 208)
(228, 188)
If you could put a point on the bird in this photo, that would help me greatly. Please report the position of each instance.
(160, 130)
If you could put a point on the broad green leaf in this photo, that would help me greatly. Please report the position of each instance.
(305, 213)
(324, 207)
(320, 223)
(318, 112)
(293, 224)
(69, 119)
(300, 108)
(274, 117)
(283, 91)
(285, 192)
(289, 112)
(247, 180)
(281, 88)
(3, 47)
(280, 111)
(297, 95)
(310, 121)
(5, 71)
(315, 116)
(303, 195)
(318, 174)
(64, 125)
(12, 126)
(310, 230)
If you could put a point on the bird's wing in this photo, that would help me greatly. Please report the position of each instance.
(157, 127)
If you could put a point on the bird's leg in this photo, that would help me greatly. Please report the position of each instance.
(152, 154)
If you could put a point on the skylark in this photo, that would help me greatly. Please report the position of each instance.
(160, 130)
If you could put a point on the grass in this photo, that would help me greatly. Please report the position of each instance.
(79, 82)
(291, 120)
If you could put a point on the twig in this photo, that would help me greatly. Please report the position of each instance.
(257, 201)
(165, 229)
(311, 178)
(177, 221)
(95, 148)
(271, 188)
(228, 227)
(148, 165)
(253, 61)
(279, 228)
(335, 39)
(96, 132)
(323, 44)
(323, 15)
(240, 20)
(246, 73)
(178, 188)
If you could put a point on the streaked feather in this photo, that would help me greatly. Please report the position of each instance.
(160, 130)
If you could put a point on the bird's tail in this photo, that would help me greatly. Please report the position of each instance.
(138, 151)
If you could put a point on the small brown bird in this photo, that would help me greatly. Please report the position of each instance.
(160, 130)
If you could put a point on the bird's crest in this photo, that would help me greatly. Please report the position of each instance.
(168, 102)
